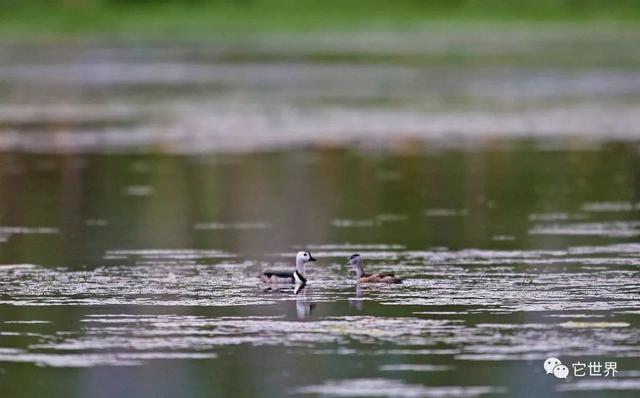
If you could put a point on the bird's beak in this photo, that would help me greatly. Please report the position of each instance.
(311, 258)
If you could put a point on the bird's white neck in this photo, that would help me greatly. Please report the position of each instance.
(300, 266)
(359, 269)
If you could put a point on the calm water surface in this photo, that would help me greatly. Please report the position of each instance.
(145, 186)
(136, 274)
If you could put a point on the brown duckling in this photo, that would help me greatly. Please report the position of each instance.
(382, 277)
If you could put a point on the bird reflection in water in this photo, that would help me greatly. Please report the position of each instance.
(304, 306)
(357, 303)
(297, 288)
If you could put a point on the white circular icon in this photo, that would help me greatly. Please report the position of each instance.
(561, 371)
(551, 363)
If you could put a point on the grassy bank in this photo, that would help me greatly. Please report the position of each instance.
(202, 18)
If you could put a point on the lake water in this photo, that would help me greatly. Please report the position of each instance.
(137, 274)
(142, 191)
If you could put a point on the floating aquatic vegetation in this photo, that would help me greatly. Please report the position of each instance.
(121, 333)
(549, 216)
(236, 225)
(138, 190)
(596, 207)
(588, 325)
(7, 231)
(85, 360)
(168, 254)
(611, 229)
(389, 217)
(96, 222)
(353, 246)
(344, 223)
(600, 385)
(392, 388)
(415, 368)
(446, 212)
(503, 237)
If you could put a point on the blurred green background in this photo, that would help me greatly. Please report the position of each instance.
(194, 18)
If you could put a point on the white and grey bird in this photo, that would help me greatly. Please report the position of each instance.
(289, 277)
(363, 277)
